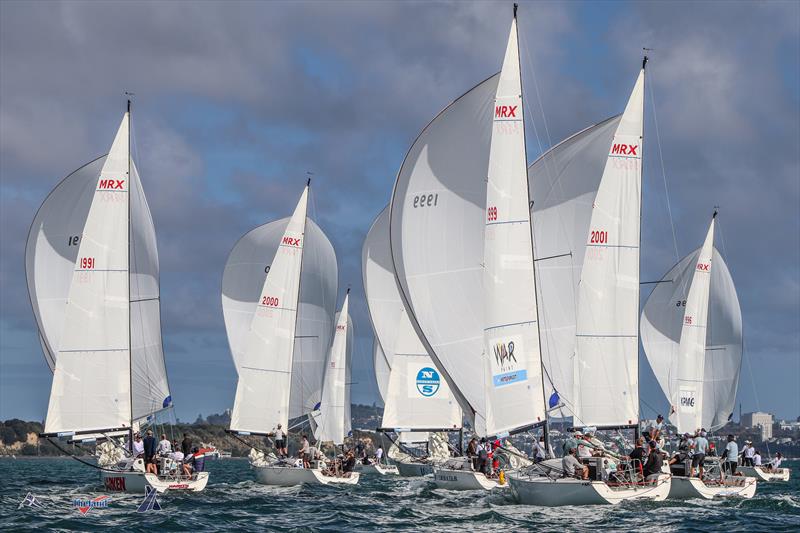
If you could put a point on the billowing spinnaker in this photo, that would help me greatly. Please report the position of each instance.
(265, 362)
(436, 230)
(92, 377)
(382, 369)
(416, 396)
(687, 399)
(331, 425)
(563, 184)
(50, 257)
(512, 364)
(607, 345)
(661, 326)
(242, 280)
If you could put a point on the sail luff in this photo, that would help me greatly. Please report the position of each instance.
(265, 367)
(91, 383)
(606, 349)
(688, 398)
(513, 388)
(331, 424)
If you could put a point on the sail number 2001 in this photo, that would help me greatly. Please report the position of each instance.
(426, 200)
(598, 237)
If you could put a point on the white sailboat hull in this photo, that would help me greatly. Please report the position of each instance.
(414, 469)
(452, 479)
(684, 488)
(283, 476)
(761, 473)
(381, 470)
(566, 491)
(137, 481)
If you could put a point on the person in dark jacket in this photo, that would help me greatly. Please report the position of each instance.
(654, 463)
(186, 445)
(150, 452)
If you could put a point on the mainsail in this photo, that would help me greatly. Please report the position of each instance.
(242, 280)
(416, 396)
(691, 330)
(382, 368)
(333, 421)
(92, 271)
(265, 364)
(607, 342)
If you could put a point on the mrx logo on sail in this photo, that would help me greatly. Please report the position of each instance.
(110, 185)
(624, 149)
(505, 366)
(505, 111)
(291, 241)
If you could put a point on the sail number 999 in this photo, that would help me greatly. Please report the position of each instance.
(429, 200)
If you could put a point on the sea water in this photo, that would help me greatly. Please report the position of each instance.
(233, 501)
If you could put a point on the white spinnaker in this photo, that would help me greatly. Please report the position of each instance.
(512, 363)
(331, 425)
(50, 256)
(92, 379)
(687, 398)
(382, 369)
(607, 346)
(417, 397)
(265, 365)
(662, 324)
(244, 275)
(563, 184)
(436, 231)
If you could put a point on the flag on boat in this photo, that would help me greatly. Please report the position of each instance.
(29, 501)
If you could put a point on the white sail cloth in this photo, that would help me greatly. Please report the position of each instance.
(56, 255)
(333, 420)
(382, 368)
(244, 276)
(416, 397)
(607, 346)
(265, 361)
(662, 324)
(512, 366)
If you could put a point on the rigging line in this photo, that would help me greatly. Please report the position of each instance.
(663, 168)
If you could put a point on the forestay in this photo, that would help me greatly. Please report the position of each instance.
(244, 275)
(331, 424)
(265, 365)
(92, 378)
(662, 328)
(417, 397)
(512, 364)
(606, 354)
(436, 231)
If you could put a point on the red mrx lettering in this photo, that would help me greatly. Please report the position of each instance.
(291, 241)
(703, 266)
(111, 184)
(505, 111)
(624, 149)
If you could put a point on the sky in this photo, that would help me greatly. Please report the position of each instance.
(236, 101)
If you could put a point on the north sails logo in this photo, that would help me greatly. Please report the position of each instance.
(428, 381)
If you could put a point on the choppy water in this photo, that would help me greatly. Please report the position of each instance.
(234, 501)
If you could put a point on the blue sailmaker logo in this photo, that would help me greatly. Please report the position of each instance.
(428, 381)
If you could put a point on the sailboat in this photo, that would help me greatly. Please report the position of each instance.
(462, 191)
(691, 330)
(332, 419)
(93, 278)
(417, 401)
(278, 307)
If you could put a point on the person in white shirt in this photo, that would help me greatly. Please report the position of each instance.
(138, 446)
(164, 446)
(731, 456)
(304, 452)
(747, 453)
(280, 441)
(775, 464)
(700, 451)
(379, 454)
(583, 451)
(757, 458)
(656, 428)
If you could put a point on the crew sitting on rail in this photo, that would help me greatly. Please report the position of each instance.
(683, 450)
(652, 468)
(572, 467)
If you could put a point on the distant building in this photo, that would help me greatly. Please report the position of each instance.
(760, 420)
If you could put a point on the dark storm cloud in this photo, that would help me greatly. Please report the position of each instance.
(236, 101)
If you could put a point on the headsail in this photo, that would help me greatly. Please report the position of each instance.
(242, 280)
(331, 424)
(416, 397)
(511, 357)
(607, 345)
(382, 368)
(265, 367)
(662, 328)
(92, 379)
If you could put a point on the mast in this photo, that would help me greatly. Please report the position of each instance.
(639, 271)
(297, 307)
(130, 343)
